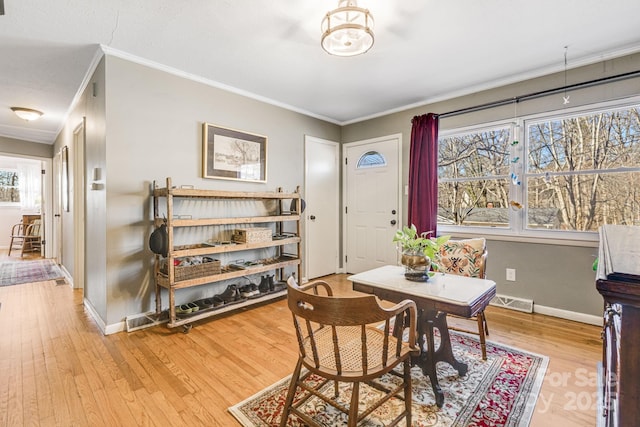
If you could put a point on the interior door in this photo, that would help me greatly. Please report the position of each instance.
(322, 217)
(57, 209)
(372, 202)
(79, 205)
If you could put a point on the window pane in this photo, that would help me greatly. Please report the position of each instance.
(597, 141)
(474, 203)
(583, 202)
(476, 154)
(371, 159)
(9, 186)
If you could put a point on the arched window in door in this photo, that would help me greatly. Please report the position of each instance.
(371, 159)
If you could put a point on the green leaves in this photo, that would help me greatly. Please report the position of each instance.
(408, 239)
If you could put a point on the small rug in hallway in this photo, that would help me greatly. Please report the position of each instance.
(17, 272)
(501, 391)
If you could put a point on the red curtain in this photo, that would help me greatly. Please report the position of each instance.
(423, 173)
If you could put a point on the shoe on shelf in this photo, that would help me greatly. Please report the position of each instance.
(204, 304)
(217, 301)
(263, 287)
(194, 307)
(249, 291)
(254, 289)
(230, 294)
(279, 285)
(183, 309)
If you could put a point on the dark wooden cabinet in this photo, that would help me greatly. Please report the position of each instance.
(620, 371)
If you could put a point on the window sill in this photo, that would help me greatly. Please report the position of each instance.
(508, 236)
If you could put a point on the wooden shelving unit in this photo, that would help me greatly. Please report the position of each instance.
(282, 259)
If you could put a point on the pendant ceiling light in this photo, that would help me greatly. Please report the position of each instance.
(347, 30)
(27, 113)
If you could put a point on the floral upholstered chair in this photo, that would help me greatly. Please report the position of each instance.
(466, 258)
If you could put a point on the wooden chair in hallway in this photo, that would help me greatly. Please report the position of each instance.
(340, 340)
(466, 258)
(25, 237)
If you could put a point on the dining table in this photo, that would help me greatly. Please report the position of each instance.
(440, 295)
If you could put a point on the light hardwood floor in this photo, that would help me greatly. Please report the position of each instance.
(57, 369)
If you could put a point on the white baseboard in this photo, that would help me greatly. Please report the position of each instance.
(94, 315)
(67, 276)
(104, 328)
(114, 328)
(569, 315)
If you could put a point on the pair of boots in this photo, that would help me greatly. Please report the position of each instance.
(266, 284)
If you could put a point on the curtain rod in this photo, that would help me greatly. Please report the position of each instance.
(540, 94)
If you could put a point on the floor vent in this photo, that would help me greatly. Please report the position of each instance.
(145, 320)
(513, 303)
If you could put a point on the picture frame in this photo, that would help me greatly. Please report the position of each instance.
(233, 154)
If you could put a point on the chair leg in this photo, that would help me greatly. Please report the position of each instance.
(483, 344)
(486, 326)
(353, 408)
(10, 246)
(24, 244)
(407, 390)
(293, 385)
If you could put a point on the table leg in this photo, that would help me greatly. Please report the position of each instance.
(428, 320)
(445, 351)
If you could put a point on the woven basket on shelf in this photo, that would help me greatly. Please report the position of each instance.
(187, 272)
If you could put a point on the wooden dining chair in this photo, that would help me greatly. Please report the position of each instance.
(18, 231)
(25, 237)
(33, 237)
(352, 340)
(466, 258)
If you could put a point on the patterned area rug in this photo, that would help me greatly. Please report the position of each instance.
(501, 391)
(17, 272)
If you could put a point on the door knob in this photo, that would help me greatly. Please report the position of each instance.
(312, 217)
(393, 222)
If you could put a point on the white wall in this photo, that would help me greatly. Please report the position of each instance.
(154, 122)
(92, 105)
(144, 125)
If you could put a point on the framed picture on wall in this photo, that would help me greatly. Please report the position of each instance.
(233, 154)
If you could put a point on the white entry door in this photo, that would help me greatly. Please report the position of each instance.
(372, 202)
(322, 189)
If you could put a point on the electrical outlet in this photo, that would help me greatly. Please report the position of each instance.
(511, 274)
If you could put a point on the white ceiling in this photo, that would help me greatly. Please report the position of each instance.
(425, 50)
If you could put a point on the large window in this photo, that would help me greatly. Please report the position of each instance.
(585, 170)
(571, 173)
(473, 178)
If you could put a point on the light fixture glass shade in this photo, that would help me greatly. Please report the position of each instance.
(347, 30)
(27, 113)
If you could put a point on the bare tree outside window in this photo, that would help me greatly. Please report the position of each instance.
(587, 167)
(473, 172)
(9, 186)
(578, 172)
